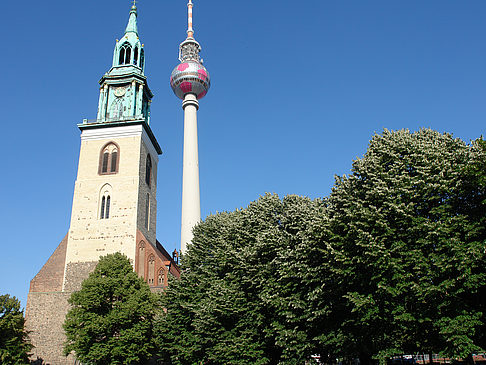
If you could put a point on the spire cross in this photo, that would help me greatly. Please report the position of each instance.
(135, 3)
(190, 31)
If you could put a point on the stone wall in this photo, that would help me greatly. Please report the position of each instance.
(76, 272)
(47, 305)
(45, 314)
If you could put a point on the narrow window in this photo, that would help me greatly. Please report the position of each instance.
(104, 167)
(122, 56)
(141, 259)
(147, 212)
(102, 214)
(128, 54)
(160, 278)
(125, 54)
(148, 170)
(135, 56)
(107, 210)
(151, 270)
(109, 157)
(105, 201)
(114, 156)
(116, 108)
(142, 59)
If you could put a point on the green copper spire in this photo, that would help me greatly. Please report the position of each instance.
(132, 21)
(124, 93)
(128, 53)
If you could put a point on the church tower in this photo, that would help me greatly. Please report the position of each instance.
(115, 192)
(114, 204)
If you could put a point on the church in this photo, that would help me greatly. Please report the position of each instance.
(115, 202)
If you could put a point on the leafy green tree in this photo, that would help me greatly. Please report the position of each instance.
(241, 298)
(14, 344)
(390, 263)
(111, 319)
(408, 234)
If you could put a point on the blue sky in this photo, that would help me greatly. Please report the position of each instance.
(298, 89)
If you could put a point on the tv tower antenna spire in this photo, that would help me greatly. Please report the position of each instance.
(190, 82)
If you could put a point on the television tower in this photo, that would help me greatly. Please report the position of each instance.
(190, 82)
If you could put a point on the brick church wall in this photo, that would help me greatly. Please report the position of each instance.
(46, 310)
(49, 278)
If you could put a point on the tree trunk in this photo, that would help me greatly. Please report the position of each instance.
(365, 359)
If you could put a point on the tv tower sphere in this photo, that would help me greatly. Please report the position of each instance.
(190, 77)
(190, 82)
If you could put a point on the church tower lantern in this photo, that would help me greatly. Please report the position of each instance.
(124, 93)
(190, 82)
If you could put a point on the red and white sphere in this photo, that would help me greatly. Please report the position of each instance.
(190, 77)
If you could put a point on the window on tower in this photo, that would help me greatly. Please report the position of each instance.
(147, 212)
(107, 207)
(116, 110)
(106, 156)
(135, 57)
(109, 159)
(105, 201)
(148, 170)
(114, 159)
(125, 54)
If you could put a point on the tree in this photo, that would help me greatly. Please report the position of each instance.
(111, 319)
(390, 263)
(14, 344)
(241, 298)
(408, 233)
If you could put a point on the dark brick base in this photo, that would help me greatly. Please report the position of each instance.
(45, 314)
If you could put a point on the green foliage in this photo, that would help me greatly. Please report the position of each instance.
(409, 236)
(391, 262)
(240, 299)
(477, 168)
(14, 344)
(111, 319)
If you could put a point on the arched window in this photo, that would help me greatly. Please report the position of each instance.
(135, 56)
(141, 259)
(121, 59)
(109, 158)
(147, 212)
(160, 277)
(103, 204)
(105, 207)
(125, 54)
(151, 270)
(105, 201)
(116, 110)
(148, 170)
(106, 156)
(142, 59)
(114, 160)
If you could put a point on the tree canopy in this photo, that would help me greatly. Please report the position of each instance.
(227, 308)
(111, 319)
(14, 344)
(408, 235)
(390, 263)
